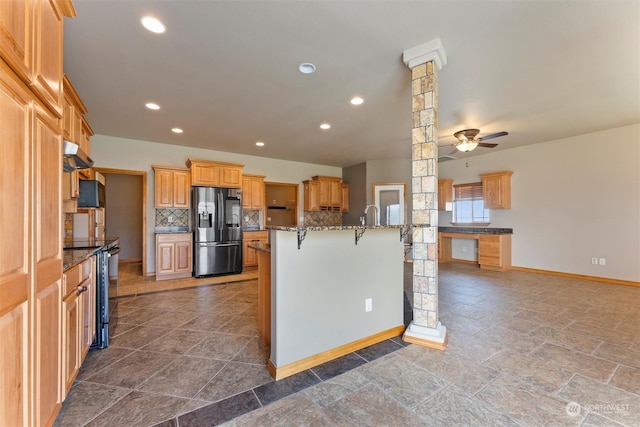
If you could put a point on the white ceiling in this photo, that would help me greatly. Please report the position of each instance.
(226, 72)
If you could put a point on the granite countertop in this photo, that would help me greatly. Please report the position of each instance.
(262, 247)
(475, 230)
(73, 257)
(171, 230)
(342, 227)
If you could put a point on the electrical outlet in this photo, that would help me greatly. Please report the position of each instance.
(368, 304)
(170, 218)
(602, 261)
(594, 261)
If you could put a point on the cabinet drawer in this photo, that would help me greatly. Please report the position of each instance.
(76, 276)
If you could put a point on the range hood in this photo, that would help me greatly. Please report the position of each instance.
(74, 158)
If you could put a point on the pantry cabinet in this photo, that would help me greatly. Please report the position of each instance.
(249, 255)
(496, 190)
(445, 194)
(173, 256)
(208, 173)
(30, 183)
(253, 192)
(172, 187)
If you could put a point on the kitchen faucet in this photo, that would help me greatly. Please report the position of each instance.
(376, 221)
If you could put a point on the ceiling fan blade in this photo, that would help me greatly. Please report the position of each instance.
(455, 150)
(493, 135)
(486, 145)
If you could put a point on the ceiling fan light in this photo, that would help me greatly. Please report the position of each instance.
(467, 146)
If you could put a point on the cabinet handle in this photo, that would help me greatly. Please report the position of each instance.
(80, 289)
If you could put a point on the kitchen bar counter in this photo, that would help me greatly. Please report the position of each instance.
(475, 230)
(343, 227)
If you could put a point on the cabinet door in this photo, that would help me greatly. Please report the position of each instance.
(165, 258)
(47, 80)
(71, 332)
(324, 196)
(15, 271)
(492, 192)
(181, 189)
(205, 175)
(47, 253)
(183, 252)
(164, 188)
(336, 194)
(257, 193)
(344, 201)
(230, 176)
(16, 30)
(88, 304)
(311, 196)
(445, 194)
(246, 192)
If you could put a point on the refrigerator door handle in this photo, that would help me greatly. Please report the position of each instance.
(218, 244)
(220, 211)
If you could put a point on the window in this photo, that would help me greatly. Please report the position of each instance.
(468, 204)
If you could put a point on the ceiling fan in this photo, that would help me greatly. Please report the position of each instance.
(467, 140)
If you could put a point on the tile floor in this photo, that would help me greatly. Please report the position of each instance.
(524, 349)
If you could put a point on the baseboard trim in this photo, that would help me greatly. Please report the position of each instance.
(285, 371)
(578, 276)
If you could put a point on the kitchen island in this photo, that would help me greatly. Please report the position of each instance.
(334, 290)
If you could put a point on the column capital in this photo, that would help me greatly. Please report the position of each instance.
(421, 54)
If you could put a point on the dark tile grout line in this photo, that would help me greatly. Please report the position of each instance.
(240, 404)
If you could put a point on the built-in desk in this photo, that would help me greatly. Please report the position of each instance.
(494, 245)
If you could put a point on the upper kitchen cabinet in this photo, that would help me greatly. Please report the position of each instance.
(323, 193)
(253, 192)
(445, 194)
(208, 173)
(173, 186)
(496, 190)
(31, 37)
(73, 115)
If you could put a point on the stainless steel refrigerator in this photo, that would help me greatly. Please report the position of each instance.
(217, 243)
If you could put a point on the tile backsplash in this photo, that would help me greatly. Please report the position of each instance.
(180, 217)
(322, 218)
(250, 218)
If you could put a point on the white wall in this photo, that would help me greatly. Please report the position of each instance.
(120, 153)
(572, 199)
(318, 292)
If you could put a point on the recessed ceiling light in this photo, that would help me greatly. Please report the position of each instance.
(260, 144)
(177, 130)
(152, 106)
(306, 68)
(152, 24)
(357, 100)
(325, 126)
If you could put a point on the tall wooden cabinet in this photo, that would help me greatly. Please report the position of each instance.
(31, 211)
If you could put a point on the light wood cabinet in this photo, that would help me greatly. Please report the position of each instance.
(324, 193)
(172, 187)
(311, 195)
(344, 200)
(445, 194)
(249, 255)
(31, 188)
(253, 192)
(494, 251)
(496, 190)
(215, 174)
(174, 254)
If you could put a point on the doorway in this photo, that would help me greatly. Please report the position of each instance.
(282, 204)
(126, 201)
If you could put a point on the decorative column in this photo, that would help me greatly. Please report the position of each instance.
(425, 61)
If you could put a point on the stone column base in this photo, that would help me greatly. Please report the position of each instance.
(425, 336)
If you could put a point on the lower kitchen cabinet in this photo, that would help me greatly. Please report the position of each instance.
(79, 316)
(174, 256)
(249, 255)
(494, 252)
